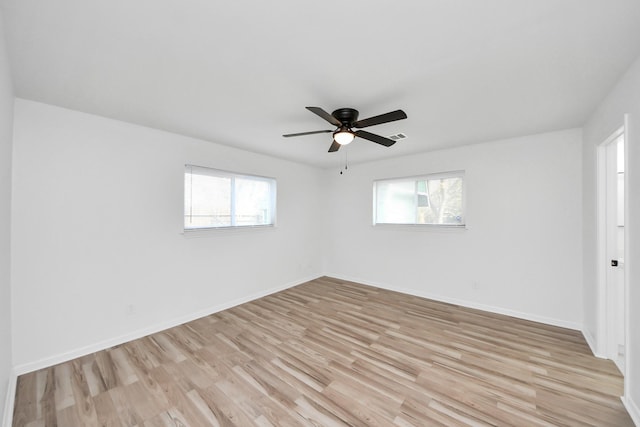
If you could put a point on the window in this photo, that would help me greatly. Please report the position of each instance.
(431, 200)
(218, 199)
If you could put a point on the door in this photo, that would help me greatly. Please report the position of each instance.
(614, 241)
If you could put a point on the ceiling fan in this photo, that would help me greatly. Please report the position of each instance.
(347, 118)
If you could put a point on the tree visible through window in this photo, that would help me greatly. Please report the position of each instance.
(431, 199)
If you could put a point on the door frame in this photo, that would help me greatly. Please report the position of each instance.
(601, 239)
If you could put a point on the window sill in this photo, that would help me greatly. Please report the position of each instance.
(225, 231)
(423, 227)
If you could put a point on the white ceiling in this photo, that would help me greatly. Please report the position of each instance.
(241, 72)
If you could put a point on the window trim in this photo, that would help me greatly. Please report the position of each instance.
(437, 175)
(273, 184)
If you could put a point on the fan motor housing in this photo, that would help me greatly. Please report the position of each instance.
(347, 116)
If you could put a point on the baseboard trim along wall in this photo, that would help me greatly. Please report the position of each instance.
(632, 409)
(465, 303)
(592, 344)
(9, 401)
(83, 351)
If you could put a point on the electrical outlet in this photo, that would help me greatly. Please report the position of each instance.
(475, 286)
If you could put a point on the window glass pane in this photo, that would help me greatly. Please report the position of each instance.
(435, 200)
(395, 202)
(445, 202)
(253, 202)
(423, 194)
(207, 201)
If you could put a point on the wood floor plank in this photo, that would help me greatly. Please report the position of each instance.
(124, 408)
(333, 353)
(26, 400)
(106, 413)
(63, 393)
(47, 400)
(203, 408)
(84, 407)
(107, 369)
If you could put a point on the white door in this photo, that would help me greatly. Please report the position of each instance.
(615, 286)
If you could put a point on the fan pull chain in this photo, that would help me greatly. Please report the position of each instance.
(346, 160)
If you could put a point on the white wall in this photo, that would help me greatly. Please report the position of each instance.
(624, 98)
(97, 221)
(523, 243)
(6, 126)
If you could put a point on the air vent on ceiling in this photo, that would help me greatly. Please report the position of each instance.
(397, 136)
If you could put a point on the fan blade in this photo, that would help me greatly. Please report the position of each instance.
(382, 118)
(307, 133)
(328, 117)
(334, 147)
(375, 138)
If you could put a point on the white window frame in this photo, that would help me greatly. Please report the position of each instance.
(188, 168)
(416, 178)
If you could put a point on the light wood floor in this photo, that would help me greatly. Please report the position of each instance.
(333, 353)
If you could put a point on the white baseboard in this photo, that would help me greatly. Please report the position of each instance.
(465, 303)
(102, 345)
(632, 409)
(7, 418)
(592, 344)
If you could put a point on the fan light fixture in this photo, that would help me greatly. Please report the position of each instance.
(343, 136)
(345, 119)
